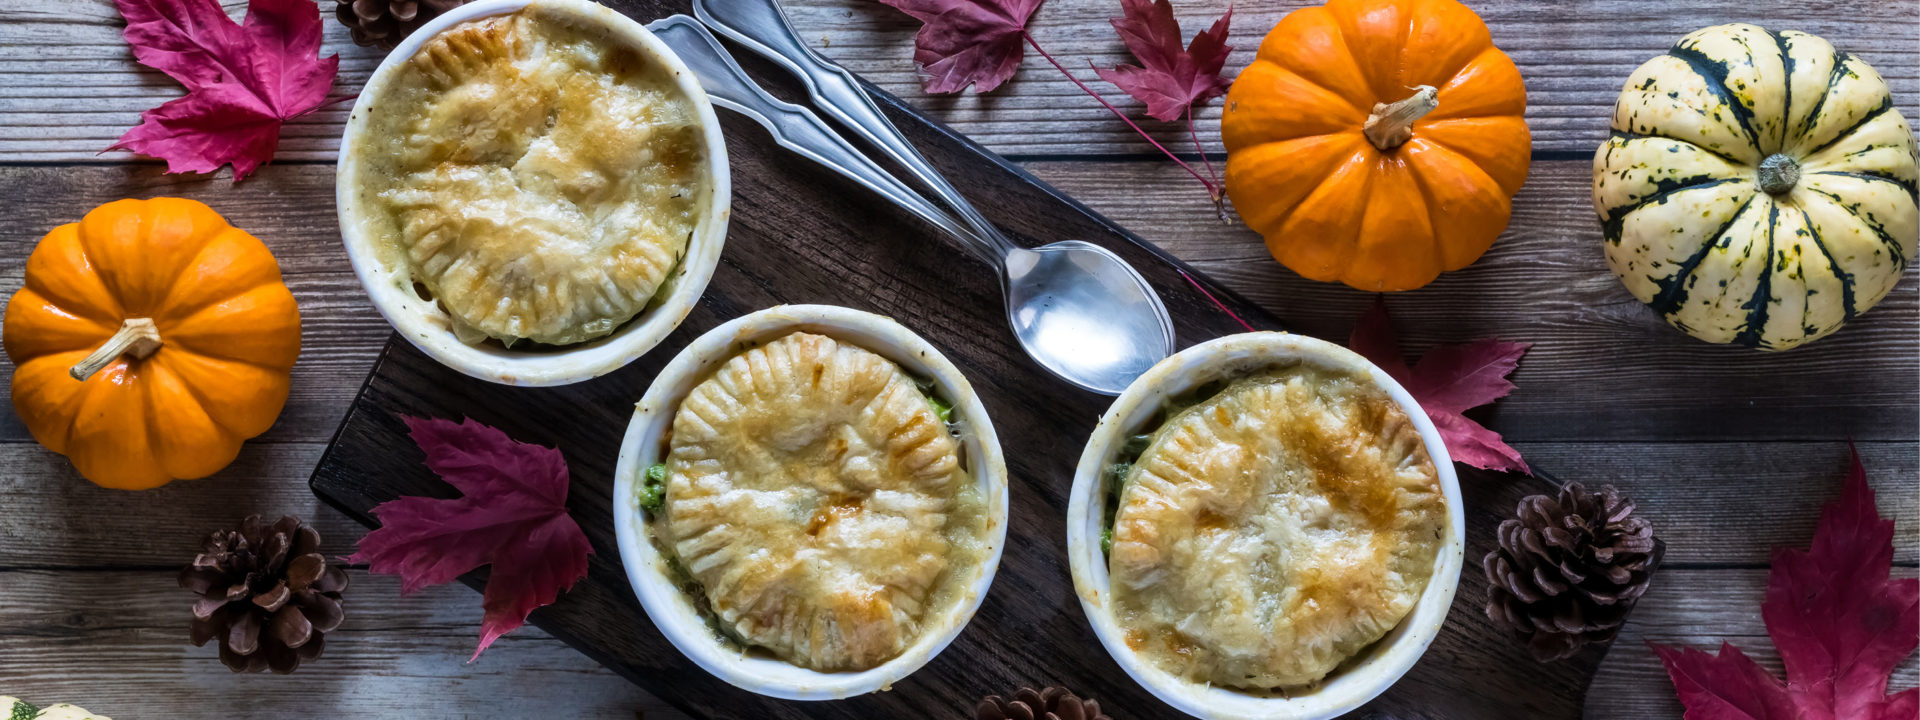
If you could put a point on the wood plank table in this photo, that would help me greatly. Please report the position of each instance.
(1728, 451)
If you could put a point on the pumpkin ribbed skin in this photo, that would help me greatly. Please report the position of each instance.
(228, 327)
(1335, 206)
(1758, 188)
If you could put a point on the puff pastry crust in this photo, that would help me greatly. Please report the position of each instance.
(1273, 531)
(817, 499)
(546, 182)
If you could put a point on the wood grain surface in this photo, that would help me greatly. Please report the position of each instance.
(74, 95)
(1729, 452)
(1029, 625)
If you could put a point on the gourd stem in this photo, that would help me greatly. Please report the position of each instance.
(1778, 174)
(138, 337)
(1391, 125)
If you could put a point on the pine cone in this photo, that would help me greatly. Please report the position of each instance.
(1054, 703)
(1569, 568)
(266, 592)
(385, 22)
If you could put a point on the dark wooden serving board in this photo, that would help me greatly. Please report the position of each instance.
(801, 234)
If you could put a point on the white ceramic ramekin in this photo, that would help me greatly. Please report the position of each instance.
(1359, 681)
(425, 325)
(675, 613)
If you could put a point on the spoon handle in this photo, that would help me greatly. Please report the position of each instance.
(793, 127)
(763, 27)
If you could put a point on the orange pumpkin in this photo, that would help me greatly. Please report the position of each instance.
(1377, 142)
(151, 338)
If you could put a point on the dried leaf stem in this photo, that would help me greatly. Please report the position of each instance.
(1197, 147)
(1213, 190)
(1216, 301)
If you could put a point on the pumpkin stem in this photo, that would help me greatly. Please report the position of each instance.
(1778, 174)
(1391, 125)
(138, 337)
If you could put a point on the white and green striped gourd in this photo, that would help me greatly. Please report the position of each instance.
(1758, 188)
(13, 708)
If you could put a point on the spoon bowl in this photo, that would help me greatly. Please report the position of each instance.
(1078, 310)
(1085, 314)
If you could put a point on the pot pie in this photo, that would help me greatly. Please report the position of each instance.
(817, 502)
(1273, 530)
(539, 181)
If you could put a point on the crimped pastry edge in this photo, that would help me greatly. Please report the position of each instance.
(676, 615)
(1382, 665)
(428, 328)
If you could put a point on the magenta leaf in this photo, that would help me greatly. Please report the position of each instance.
(1473, 444)
(242, 80)
(1170, 79)
(978, 43)
(1728, 686)
(1842, 627)
(512, 515)
(967, 42)
(1455, 378)
(1449, 380)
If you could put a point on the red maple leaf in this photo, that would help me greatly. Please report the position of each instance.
(977, 42)
(1840, 624)
(1170, 79)
(1449, 380)
(512, 515)
(242, 80)
(967, 42)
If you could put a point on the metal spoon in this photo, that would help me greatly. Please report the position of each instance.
(1078, 310)
(792, 126)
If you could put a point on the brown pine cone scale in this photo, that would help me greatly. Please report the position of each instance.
(1054, 703)
(1569, 568)
(266, 593)
(385, 22)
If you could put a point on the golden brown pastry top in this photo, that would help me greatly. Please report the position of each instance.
(540, 181)
(820, 502)
(1274, 530)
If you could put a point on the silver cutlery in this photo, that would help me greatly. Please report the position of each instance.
(1076, 308)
